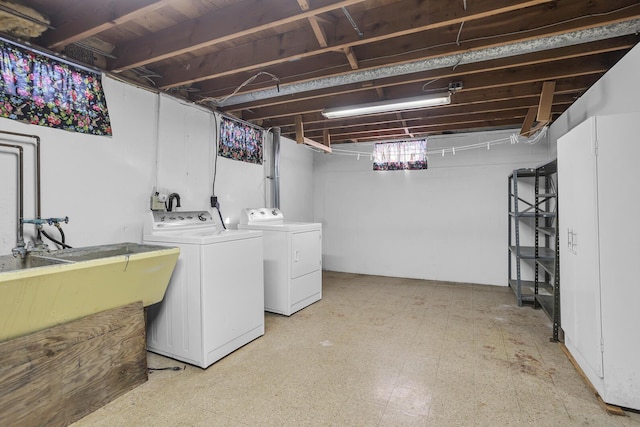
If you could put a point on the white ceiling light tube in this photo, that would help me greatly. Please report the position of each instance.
(389, 105)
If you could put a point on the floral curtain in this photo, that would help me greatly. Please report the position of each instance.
(45, 92)
(240, 141)
(400, 155)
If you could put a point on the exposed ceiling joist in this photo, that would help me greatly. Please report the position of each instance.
(329, 53)
(91, 18)
(294, 45)
(301, 139)
(240, 19)
(442, 76)
(544, 43)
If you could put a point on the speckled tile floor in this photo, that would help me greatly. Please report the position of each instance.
(378, 351)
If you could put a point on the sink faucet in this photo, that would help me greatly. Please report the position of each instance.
(37, 246)
(170, 201)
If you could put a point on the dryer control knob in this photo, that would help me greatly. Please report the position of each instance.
(202, 216)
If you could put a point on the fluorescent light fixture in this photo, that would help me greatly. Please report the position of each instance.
(389, 105)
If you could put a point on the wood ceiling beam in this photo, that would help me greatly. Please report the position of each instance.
(351, 57)
(546, 100)
(222, 25)
(530, 23)
(321, 36)
(479, 120)
(91, 18)
(445, 75)
(419, 126)
(315, 24)
(494, 79)
(315, 124)
(429, 130)
(441, 117)
(309, 68)
(399, 21)
(408, 117)
(300, 138)
(529, 118)
(572, 86)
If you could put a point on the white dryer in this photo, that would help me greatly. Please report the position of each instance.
(214, 303)
(292, 259)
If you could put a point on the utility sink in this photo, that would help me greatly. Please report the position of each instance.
(9, 263)
(96, 252)
(44, 290)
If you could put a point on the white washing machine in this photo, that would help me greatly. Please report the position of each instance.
(214, 303)
(292, 259)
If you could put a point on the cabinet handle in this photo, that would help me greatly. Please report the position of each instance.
(295, 258)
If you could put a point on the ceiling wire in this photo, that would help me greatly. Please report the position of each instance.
(429, 83)
(459, 32)
(511, 139)
(220, 101)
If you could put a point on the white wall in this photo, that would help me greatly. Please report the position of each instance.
(187, 159)
(296, 181)
(446, 223)
(618, 91)
(104, 184)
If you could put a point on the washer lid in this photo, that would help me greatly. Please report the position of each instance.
(283, 227)
(201, 237)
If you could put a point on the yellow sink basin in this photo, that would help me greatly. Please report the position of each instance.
(42, 291)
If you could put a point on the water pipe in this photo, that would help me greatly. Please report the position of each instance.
(275, 168)
(36, 142)
(20, 247)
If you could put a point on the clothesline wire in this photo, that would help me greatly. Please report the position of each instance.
(513, 139)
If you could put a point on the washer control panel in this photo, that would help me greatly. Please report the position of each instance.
(181, 220)
(252, 216)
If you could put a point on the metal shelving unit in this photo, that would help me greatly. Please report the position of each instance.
(547, 268)
(541, 206)
(519, 209)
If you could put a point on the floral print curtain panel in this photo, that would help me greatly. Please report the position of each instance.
(400, 155)
(42, 91)
(239, 141)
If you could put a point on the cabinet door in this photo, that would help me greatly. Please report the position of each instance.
(619, 202)
(306, 253)
(578, 228)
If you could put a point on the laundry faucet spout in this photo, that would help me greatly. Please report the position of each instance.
(172, 196)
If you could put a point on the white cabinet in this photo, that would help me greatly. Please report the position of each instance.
(600, 254)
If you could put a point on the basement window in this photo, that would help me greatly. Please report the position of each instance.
(240, 141)
(405, 155)
(43, 91)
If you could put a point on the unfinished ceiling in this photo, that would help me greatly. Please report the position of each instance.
(270, 61)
